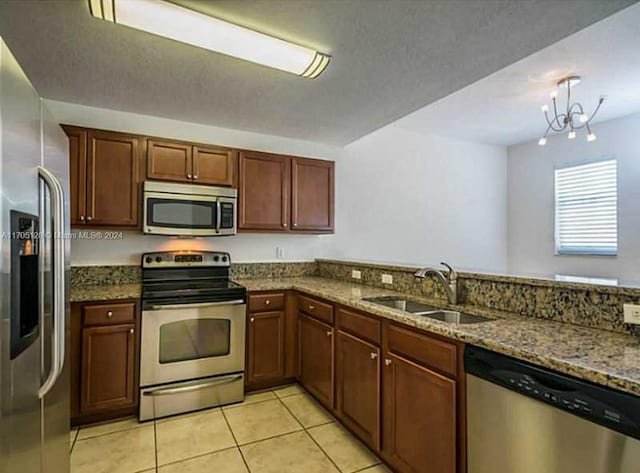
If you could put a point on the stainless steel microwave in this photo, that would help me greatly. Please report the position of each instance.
(189, 210)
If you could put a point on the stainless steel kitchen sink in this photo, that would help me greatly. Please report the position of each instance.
(418, 308)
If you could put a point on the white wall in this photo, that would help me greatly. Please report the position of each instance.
(251, 247)
(531, 201)
(408, 197)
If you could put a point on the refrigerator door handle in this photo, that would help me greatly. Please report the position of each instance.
(59, 309)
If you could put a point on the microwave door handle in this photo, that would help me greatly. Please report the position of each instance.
(218, 215)
(59, 308)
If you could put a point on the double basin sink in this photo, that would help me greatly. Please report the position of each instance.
(418, 308)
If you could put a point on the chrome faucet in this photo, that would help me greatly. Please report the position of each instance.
(449, 282)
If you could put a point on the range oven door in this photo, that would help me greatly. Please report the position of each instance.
(188, 214)
(190, 341)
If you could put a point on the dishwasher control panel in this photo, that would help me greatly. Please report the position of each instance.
(614, 409)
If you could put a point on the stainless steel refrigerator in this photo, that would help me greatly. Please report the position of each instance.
(34, 268)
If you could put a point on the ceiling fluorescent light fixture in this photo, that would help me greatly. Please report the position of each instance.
(187, 26)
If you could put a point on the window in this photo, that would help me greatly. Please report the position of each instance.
(587, 209)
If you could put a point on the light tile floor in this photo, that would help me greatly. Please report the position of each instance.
(279, 431)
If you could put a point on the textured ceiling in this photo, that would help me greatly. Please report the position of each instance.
(389, 58)
(504, 108)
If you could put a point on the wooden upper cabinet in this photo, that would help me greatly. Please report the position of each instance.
(113, 161)
(264, 191)
(419, 433)
(312, 194)
(212, 165)
(108, 368)
(77, 173)
(169, 161)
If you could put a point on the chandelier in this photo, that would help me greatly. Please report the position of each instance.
(573, 118)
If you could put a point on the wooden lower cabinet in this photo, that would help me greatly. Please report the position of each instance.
(315, 358)
(108, 357)
(358, 387)
(266, 346)
(419, 430)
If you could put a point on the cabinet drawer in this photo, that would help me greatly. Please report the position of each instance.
(320, 310)
(266, 302)
(421, 348)
(109, 314)
(360, 325)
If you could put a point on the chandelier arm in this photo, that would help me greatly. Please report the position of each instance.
(596, 109)
(568, 97)
(561, 125)
(555, 108)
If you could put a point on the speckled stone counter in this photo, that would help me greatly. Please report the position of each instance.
(105, 292)
(607, 358)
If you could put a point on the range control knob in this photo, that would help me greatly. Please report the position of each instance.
(224, 259)
(148, 259)
(216, 258)
(158, 259)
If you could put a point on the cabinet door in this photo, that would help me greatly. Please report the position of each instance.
(312, 195)
(112, 179)
(315, 352)
(169, 161)
(358, 387)
(77, 173)
(264, 191)
(266, 346)
(107, 378)
(419, 418)
(213, 165)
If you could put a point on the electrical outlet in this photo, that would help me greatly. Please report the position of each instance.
(355, 274)
(387, 279)
(632, 314)
(280, 252)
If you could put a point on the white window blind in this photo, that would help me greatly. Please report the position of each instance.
(587, 209)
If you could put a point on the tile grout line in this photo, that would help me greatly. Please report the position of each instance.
(244, 460)
(199, 455)
(155, 446)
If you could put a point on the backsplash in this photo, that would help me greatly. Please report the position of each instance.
(580, 304)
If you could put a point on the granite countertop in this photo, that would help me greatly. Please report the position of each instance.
(606, 358)
(105, 292)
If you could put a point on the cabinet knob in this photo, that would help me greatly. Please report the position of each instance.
(131, 331)
(195, 176)
(110, 314)
(295, 224)
(82, 218)
(188, 176)
(373, 355)
(251, 319)
(387, 362)
(329, 333)
(311, 307)
(267, 302)
(284, 225)
(89, 218)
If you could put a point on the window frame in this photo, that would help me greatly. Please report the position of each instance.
(591, 252)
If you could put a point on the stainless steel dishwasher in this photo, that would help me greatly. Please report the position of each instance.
(525, 419)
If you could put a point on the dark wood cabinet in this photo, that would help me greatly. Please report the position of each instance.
(104, 174)
(358, 387)
(285, 194)
(316, 358)
(264, 191)
(312, 189)
(419, 433)
(108, 354)
(186, 162)
(266, 346)
(104, 353)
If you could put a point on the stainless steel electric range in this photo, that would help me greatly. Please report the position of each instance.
(193, 333)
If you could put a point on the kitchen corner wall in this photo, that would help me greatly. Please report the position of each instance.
(243, 247)
(531, 201)
(409, 197)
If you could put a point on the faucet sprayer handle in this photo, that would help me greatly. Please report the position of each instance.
(452, 272)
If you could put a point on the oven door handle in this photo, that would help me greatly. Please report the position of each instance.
(193, 387)
(194, 306)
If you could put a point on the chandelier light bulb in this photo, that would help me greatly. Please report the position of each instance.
(553, 94)
(544, 108)
(591, 136)
(571, 135)
(583, 118)
(542, 141)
